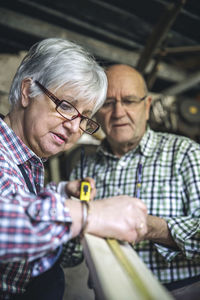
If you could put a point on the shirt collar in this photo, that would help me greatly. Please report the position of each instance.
(148, 143)
(13, 145)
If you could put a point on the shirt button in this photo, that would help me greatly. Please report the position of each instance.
(121, 163)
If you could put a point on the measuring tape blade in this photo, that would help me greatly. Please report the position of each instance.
(127, 266)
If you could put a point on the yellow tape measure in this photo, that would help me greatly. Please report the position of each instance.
(128, 267)
(85, 191)
(85, 186)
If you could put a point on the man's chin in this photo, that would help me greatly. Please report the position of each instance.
(121, 138)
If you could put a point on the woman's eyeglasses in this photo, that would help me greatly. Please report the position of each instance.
(69, 112)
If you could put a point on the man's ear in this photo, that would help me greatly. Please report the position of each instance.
(25, 91)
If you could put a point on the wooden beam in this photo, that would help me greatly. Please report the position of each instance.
(159, 33)
(110, 279)
(40, 29)
(154, 72)
(183, 86)
(52, 13)
(178, 50)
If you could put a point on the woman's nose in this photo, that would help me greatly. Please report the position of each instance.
(73, 125)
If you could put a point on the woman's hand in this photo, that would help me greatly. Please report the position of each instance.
(73, 188)
(121, 217)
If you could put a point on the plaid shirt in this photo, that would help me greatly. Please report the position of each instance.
(33, 227)
(170, 188)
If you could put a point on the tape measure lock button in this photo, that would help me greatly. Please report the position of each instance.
(85, 191)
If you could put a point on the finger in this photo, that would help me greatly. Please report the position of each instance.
(141, 231)
(141, 204)
(140, 226)
(93, 193)
(91, 181)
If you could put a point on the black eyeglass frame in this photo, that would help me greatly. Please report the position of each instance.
(142, 99)
(139, 100)
(58, 102)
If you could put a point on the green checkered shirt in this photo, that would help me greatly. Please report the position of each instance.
(170, 188)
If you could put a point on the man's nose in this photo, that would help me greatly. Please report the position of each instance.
(73, 125)
(118, 110)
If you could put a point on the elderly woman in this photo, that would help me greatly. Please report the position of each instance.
(55, 92)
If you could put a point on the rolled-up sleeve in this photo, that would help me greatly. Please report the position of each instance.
(185, 230)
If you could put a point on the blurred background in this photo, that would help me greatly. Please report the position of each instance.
(159, 37)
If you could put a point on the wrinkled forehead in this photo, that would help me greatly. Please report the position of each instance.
(124, 84)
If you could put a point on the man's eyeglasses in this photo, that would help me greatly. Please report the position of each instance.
(69, 112)
(129, 102)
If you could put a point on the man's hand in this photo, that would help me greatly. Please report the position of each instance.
(158, 232)
(73, 188)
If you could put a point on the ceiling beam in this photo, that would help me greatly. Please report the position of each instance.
(183, 86)
(40, 29)
(69, 19)
(178, 50)
(159, 33)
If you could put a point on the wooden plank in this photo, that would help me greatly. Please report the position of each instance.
(109, 277)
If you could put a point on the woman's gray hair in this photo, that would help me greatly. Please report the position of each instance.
(56, 62)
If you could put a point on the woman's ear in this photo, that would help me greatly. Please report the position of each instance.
(25, 91)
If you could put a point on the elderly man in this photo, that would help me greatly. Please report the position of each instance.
(56, 90)
(160, 168)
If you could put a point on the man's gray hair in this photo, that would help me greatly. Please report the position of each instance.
(56, 62)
